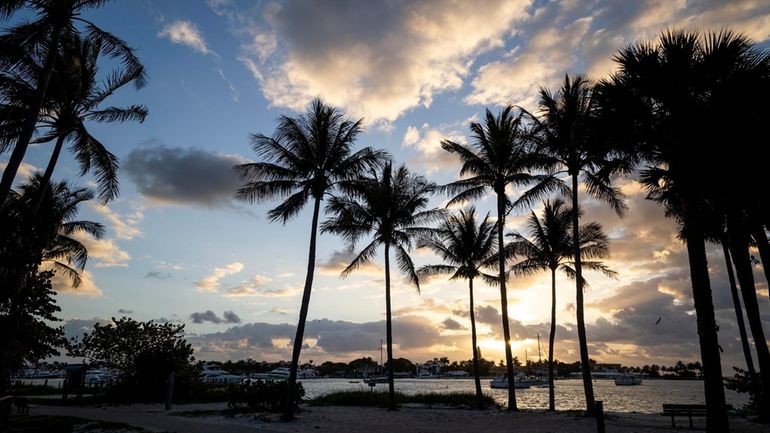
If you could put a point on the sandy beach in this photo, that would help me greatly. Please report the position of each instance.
(377, 420)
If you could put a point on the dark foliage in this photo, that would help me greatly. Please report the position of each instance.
(262, 395)
(145, 353)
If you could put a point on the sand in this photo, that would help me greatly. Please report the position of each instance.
(412, 419)
(421, 419)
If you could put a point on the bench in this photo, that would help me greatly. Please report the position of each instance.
(5, 408)
(688, 410)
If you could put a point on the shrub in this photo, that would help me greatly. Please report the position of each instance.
(743, 382)
(262, 395)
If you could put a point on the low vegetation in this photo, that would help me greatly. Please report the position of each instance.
(380, 399)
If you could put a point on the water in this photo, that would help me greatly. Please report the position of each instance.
(645, 398)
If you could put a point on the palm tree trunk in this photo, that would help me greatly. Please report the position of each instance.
(716, 410)
(551, 339)
(760, 237)
(477, 380)
(48, 173)
(739, 249)
(288, 410)
(504, 300)
(9, 174)
(585, 364)
(389, 331)
(738, 309)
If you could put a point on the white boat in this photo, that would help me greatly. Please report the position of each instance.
(214, 374)
(98, 376)
(376, 380)
(280, 373)
(626, 379)
(502, 383)
(426, 375)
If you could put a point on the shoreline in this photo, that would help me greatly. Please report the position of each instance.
(408, 418)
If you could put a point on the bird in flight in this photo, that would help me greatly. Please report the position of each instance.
(659, 319)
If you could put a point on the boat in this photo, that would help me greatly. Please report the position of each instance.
(502, 383)
(626, 379)
(214, 374)
(280, 373)
(375, 380)
(425, 375)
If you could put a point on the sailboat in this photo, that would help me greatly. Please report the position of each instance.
(539, 381)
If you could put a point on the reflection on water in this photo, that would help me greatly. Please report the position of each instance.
(646, 398)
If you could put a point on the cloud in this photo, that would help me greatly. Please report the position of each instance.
(258, 286)
(390, 58)
(184, 176)
(210, 283)
(157, 275)
(62, 284)
(339, 260)
(575, 37)
(281, 311)
(105, 251)
(427, 141)
(25, 170)
(75, 328)
(210, 316)
(124, 311)
(451, 324)
(231, 317)
(124, 226)
(185, 33)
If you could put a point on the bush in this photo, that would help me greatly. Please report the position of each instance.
(262, 395)
(743, 382)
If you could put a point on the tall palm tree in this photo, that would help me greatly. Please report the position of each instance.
(306, 158)
(391, 205)
(42, 39)
(466, 248)
(665, 98)
(76, 99)
(551, 248)
(565, 131)
(498, 156)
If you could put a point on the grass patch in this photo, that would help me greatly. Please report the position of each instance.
(380, 399)
(64, 424)
(20, 389)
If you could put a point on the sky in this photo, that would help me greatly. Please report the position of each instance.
(180, 248)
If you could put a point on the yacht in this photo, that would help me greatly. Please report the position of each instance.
(280, 373)
(501, 382)
(626, 379)
(214, 374)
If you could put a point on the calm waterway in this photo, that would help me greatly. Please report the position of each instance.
(645, 398)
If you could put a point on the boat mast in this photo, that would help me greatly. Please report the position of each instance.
(538, 349)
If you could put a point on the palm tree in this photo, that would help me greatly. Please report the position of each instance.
(42, 39)
(392, 206)
(551, 248)
(306, 158)
(44, 237)
(33, 242)
(76, 98)
(565, 131)
(465, 248)
(665, 98)
(498, 156)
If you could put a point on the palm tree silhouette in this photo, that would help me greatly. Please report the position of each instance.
(42, 40)
(551, 248)
(498, 156)
(44, 237)
(564, 131)
(306, 158)
(76, 97)
(664, 103)
(392, 206)
(466, 248)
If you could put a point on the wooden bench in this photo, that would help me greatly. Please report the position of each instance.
(688, 410)
(5, 408)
